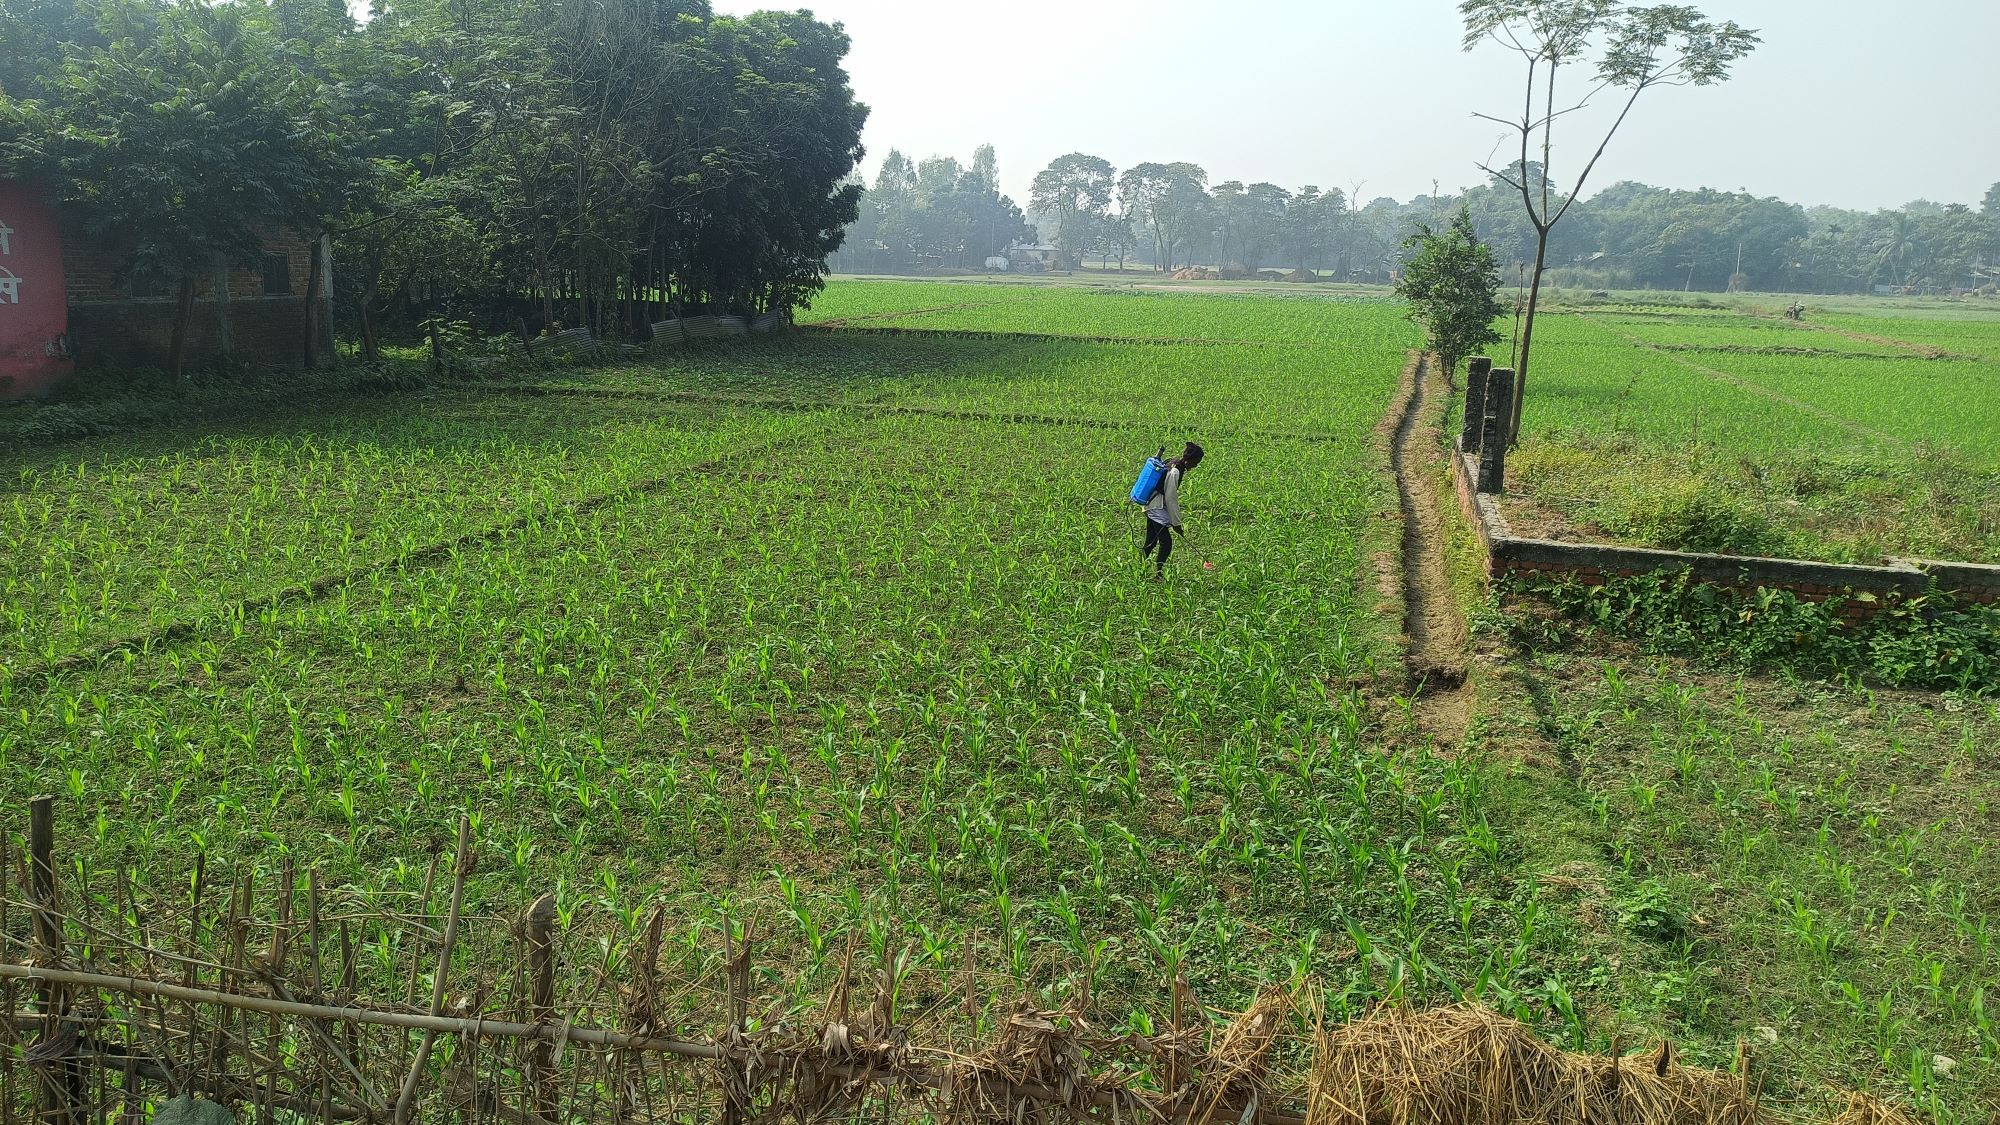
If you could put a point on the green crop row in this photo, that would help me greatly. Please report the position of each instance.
(1054, 310)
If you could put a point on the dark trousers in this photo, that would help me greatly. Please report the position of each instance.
(1161, 536)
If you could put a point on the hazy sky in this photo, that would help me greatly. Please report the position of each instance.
(1858, 103)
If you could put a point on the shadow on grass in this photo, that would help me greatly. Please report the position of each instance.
(107, 417)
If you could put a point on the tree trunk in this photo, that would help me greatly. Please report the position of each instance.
(183, 314)
(1527, 335)
(315, 262)
(548, 287)
(371, 344)
(437, 346)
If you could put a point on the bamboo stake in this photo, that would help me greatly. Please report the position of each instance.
(416, 958)
(423, 911)
(135, 1110)
(461, 868)
(344, 991)
(275, 956)
(541, 1003)
(190, 970)
(62, 1085)
(640, 1016)
(315, 979)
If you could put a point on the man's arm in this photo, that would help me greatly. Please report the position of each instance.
(1170, 495)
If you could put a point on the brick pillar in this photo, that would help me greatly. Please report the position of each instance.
(1475, 403)
(1498, 412)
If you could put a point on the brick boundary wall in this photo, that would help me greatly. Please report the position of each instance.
(1594, 563)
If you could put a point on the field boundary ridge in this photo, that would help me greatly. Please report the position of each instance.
(1593, 564)
(879, 408)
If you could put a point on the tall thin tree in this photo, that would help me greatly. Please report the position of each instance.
(1638, 48)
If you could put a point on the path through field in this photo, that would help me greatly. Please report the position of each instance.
(1434, 660)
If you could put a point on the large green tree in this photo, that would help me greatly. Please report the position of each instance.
(1074, 191)
(1171, 202)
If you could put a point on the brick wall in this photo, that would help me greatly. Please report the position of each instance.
(110, 326)
(1593, 564)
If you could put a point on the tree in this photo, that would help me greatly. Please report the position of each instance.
(1313, 222)
(1172, 201)
(1262, 225)
(181, 137)
(984, 175)
(1075, 189)
(1114, 236)
(1895, 246)
(1452, 285)
(936, 211)
(1639, 48)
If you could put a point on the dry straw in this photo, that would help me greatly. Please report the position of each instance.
(1467, 1065)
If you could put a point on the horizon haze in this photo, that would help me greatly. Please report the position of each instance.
(1346, 93)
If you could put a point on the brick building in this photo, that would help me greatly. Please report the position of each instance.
(34, 344)
(255, 315)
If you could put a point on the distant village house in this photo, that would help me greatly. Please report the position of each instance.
(68, 299)
(1035, 257)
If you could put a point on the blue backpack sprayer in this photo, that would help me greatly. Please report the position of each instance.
(1151, 476)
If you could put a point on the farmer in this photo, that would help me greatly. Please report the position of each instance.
(1163, 511)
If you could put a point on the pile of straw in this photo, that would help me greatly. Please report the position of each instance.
(1467, 1064)
(1036, 1050)
(1233, 1080)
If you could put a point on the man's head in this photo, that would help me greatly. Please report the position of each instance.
(1191, 456)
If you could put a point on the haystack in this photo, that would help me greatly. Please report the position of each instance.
(1467, 1064)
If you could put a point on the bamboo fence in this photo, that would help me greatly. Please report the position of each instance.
(295, 1002)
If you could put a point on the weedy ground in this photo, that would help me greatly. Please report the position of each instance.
(847, 634)
(1734, 431)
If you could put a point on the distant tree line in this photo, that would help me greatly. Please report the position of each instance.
(1636, 236)
(933, 214)
(1629, 235)
(583, 161)
(1167, 216)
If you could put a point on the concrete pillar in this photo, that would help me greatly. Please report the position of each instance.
(1497, 415)
(1475, 402)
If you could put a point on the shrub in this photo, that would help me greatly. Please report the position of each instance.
(51, 424)
(1929, 641)
(1699, 516)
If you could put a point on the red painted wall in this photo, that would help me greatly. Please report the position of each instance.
(34, 309)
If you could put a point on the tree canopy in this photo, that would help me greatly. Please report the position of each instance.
(587, 159)
(1453, 287)
(934, 213)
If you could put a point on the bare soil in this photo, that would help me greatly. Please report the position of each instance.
(1435, 653)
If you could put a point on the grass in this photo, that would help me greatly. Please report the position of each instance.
(847, 633)
(1812, 864)
(1719, 430)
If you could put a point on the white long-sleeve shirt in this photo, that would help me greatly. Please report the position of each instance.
(1165, 506)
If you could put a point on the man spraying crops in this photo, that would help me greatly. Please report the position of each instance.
(1163, 506)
